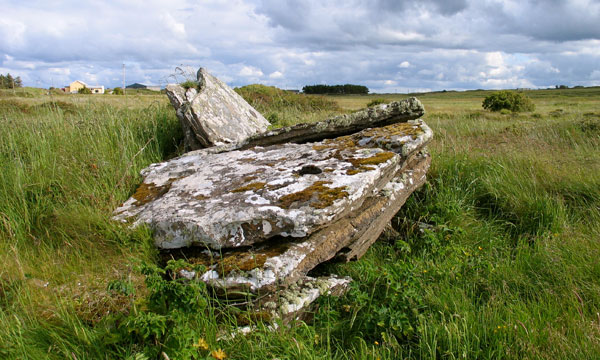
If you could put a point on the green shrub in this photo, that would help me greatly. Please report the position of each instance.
(84, 90)
(510, 100)
(375, 102)
(188, 84)
(118, 91)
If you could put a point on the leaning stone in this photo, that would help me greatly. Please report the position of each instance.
(269, 266)
(213, 114)
(377, 116)
(244, 197)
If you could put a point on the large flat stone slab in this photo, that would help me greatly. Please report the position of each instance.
(244, 197)
(211, 113)
(266, 267)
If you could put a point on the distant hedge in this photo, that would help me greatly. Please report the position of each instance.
(335, 89)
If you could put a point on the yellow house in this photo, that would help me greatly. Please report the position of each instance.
(74, 87)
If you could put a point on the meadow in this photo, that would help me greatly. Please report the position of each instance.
(506, 265)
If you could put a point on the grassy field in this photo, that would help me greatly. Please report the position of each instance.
(507, 268)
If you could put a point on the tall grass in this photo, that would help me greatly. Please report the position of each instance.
(495, 257)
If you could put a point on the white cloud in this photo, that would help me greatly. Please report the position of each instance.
(250, 71)
(276, 75)
(432, 44)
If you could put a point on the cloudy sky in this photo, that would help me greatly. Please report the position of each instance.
(387, 45)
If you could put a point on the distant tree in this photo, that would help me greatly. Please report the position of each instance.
(335, 89)
(84, 90)
(117, 91)
(562, 87)
(8, 82)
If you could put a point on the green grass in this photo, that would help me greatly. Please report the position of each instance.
(507, 267)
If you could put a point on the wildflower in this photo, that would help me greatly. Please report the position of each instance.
(218, 354)
(376, 342)
(201, 344)
(424, 271)
(480, 248)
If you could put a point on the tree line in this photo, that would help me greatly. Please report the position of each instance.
(335, 89)
(8, 82)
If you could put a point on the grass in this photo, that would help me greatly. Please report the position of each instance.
(505, 268)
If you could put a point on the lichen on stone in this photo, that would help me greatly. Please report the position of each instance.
(146, 193)
(317, 195)
(255, 186)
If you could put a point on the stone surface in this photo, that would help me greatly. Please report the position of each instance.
(377, 116)
(292, 303)
(244, 197)
(213, 114)
(268, 266)
(289, 304)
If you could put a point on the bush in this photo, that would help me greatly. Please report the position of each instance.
(189, 84)
(510, 100)
(84, 90)
(117, 91)
(375, 102)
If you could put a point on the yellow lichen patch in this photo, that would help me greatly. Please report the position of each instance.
(241, 262)
(246, 260)
(318, 195)
(378, 158)
(320, 147)
(255, 186)
(398, 129)
(148, 192)
(362, 165)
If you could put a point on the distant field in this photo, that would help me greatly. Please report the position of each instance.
(508, 267)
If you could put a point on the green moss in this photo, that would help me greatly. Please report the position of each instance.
(318, 195)
(149, 192)
(255, 186)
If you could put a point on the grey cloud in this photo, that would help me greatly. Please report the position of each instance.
(456, 44)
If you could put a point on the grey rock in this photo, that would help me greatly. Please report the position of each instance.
(240, 198)
(213, 114)
(377, 116)
(275, 264)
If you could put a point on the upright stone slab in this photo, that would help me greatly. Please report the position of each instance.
(211, 113)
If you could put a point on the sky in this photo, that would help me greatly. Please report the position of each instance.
(386, 45)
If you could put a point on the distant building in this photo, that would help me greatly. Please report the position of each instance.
(142, 86)
(74, 87)
(293, 91)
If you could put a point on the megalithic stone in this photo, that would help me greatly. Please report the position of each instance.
(244, 197)
(377, 116)
(211, 113)
(269, 266)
